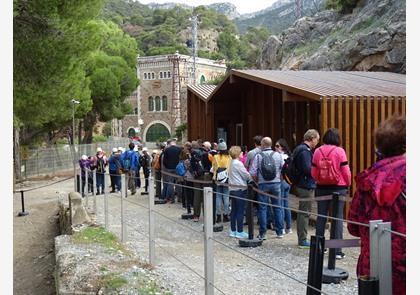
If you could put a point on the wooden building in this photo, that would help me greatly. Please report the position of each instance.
(287, 103)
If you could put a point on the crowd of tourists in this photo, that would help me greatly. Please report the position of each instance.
(311, 170)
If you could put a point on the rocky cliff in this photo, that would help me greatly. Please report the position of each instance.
(372, 38)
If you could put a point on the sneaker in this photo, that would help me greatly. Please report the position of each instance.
(280, 235)
(232, 234)
(304, 245)
(195, 218)
(340, 256)
(289, 231)
(242, 235)
(325, 250)
(262, 237)
(283, 232)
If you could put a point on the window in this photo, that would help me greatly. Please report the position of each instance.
(157, 132)
(169, 74)
(164, 103)
(157, 104)
(131, 132)
(153, 75)
(148, 76)
(164, 75)
(145, 76)
(136, 111)
(160, 75)
(202, 79)
(151, 104)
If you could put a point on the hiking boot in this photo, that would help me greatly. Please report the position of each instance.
(304, 245)
(242, 235)
(226, 218)
(97, 192)
(262, 237)
(218, 218)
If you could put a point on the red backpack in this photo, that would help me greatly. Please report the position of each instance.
(327, 175)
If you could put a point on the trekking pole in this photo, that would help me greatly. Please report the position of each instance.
(22, 199)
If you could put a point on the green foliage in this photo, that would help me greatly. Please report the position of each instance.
(344, 6)
(217, 80)
(100, 138)
(98, 235)
(179, 130)
(107, 130)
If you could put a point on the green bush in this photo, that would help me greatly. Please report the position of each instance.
(344, 6)
(99, 138)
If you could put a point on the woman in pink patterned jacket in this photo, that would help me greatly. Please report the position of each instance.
(380, 194)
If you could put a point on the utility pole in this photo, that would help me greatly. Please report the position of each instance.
(298, 9)
(194, 20)
(176, 88)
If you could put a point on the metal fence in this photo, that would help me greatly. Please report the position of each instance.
(50, 161)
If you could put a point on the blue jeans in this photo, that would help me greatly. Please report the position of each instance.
(115, 180)
(238, 210)
(285, 188)
(219, 197)
(100, 180)
(168, 185)
(273, 189)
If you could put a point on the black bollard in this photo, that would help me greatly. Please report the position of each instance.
(251, 241)
(331, 274)
(22, 199)
(368, 285)
(316, 261)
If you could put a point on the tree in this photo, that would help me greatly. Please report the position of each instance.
(51, 41)
(112, 73)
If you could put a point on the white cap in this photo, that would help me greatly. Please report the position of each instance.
(114, 150)
(98, 150)
(84, 157)
(136, 148)
(144, 149)
(121, 149)
(154, 151)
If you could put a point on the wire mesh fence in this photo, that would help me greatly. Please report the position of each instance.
(53, 160)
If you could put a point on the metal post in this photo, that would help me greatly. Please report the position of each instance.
(251, 241)
(152, 257)
(22, 199)
(208, 242)
(385, 259)
(87, 189)
(316, 259)
(123, 228)
(93, 190)
(373, 248)
(106, 192)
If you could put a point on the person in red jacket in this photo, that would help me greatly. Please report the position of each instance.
(331, 172)
(380, 194)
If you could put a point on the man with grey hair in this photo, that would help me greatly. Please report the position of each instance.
(305, 185)
(266, 171)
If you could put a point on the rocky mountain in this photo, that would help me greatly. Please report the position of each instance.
(225, 8)
(278, 16)
(169, 5)
(371, 38)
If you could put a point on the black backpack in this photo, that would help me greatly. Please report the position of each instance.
(196, 167)
(289, 171)
(268, 166)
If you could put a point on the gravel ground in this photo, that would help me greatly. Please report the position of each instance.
(234, 273)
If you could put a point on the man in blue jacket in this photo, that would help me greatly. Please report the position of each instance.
(114, 170)
(305, 186)
(130, 163)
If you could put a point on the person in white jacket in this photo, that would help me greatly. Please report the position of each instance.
(238, 176)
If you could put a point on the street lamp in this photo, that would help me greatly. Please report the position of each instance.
(74, 102)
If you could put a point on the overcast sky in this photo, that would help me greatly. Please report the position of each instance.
(243, 6)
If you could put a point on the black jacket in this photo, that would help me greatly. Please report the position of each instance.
(302, 156)
(171, 157)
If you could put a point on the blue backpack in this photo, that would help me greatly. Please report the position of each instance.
(180, 168)
(127, 160)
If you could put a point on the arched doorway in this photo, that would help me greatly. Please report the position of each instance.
(131, 132)
(157, 132)
(202, 80)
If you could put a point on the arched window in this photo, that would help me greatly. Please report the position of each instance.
(136, 111)
(160, 75)
(145, 76)
(169, 74)
(164, 103)
(153, 75)
(157, 104)
(164, 75)
(151, 104)
(202, 79)
(148, 76)
(157, 132)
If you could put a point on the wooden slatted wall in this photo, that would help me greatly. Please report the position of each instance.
(357, 118)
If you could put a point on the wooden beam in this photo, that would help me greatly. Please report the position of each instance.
(324, 115)
(397, 105)
(383, 112)
(390, 111)
(375, 113)
(332, 112)
(294, 97)
(340, 114)
(347, 127)
(362, 133)
(369, 132)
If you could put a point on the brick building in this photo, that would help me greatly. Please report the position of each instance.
(160, 101)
